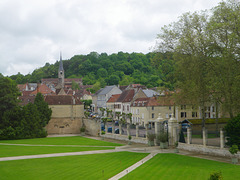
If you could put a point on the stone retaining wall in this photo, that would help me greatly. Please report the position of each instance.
(64, 126)
(125, 138)
(92, 127)
(211, 150)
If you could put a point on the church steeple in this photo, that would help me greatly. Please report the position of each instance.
(61, 73)
(61, 64)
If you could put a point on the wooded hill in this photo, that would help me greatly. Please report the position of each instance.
(151, 70)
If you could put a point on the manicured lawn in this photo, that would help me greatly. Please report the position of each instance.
(96, 166)
(173, 166)
(9, 150)
(74, 140)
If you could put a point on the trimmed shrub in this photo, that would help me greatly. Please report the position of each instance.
(233, 131)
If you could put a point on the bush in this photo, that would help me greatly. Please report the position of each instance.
(216, 176)
(129, 137)
(151, 137)
(162, 137)
(233, 131)
(233, 150)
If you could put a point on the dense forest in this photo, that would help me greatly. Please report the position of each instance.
(152, 69)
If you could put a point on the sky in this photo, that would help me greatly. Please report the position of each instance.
(33, 32)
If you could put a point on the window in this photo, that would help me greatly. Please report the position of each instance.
(207, 108)
(152, 115)
(183, 114)
(123, 107)
(170, 107)
(137, 111)
(142, 115)
(152, 107)
(207, 115)
(127, 107)
(194, 114)
(213, 109)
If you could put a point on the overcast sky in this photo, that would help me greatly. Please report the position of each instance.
(32, 32)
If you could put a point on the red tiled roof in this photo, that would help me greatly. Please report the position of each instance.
(21, 87)
(126, 96)
(26, 93)
(122, 87)
(43, 89)
(26, 99)
(113, 98)
(62, 100)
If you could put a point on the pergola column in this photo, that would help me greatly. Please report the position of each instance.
(204, 136)
(137, 130)
(222, 138)
(128, 129)
(113, 127)
(189, 135)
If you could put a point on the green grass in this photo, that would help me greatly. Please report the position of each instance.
(74, 140)
(173, 166)
(11, 150)
(96, 166)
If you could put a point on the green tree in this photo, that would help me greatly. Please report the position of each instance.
(224, 35)
(102, 73)
(87, 103)
(43, 109)
(8, 95)
(75, 85)
(113, 80)
(187, 39)
(233, 131)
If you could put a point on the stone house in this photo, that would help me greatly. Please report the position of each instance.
(187, 111)
(123, 103)
(147, 109)
(102, 96)
(111, 102)
(67, 114)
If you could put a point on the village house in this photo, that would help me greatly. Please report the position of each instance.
(100, 98)
(145, 110)
(67, 113)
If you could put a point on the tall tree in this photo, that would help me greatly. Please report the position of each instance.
(187, 40)
(8, 95)
(44, 111)
(224, 28)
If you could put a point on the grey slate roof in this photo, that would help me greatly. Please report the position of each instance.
(150, 93)
(106, 90)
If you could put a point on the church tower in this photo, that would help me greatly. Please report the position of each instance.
(61, 73)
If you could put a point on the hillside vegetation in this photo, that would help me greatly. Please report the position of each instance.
(151, 70)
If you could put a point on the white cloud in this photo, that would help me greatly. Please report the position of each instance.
(33, 32)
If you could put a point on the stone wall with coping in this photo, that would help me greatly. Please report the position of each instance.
(125, 138)
(92, 126)
(211, 150)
